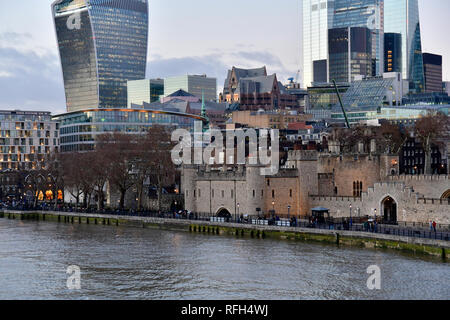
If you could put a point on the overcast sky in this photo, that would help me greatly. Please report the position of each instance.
(195, 36)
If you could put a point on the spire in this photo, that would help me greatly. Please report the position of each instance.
(203, 114)
(203, 104)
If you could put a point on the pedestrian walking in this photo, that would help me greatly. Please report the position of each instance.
(431, 225)
(434, 226)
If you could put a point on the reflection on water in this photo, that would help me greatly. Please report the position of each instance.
(133, 263)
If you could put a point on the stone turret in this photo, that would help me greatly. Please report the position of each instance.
(306, 163)
(188, 185)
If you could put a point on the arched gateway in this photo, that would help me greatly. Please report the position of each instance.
(446, 195)
(223, 213)
(389, 207)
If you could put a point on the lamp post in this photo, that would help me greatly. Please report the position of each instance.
(273, 206)
(375, 214)
(238, 205)
(351, 221)
(289, 211)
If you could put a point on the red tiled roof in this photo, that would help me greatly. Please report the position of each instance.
(299, 126)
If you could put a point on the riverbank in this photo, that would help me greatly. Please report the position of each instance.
(418, 246)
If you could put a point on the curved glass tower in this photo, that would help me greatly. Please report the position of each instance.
(402, 17)
(102, 44)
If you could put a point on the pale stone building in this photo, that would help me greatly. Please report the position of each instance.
(366, 185)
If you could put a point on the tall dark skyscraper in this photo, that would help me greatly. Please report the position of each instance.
(393, 52)
(402, 16)
(102, 44)
(362, 13)
(432, 65)
(350, 53)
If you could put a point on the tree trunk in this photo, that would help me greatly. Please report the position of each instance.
(159, 193)
(122, 199)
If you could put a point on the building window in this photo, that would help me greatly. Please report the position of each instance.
(290, 193)
(357, 188)
(223, 194)
(273, 193)
(254, 193)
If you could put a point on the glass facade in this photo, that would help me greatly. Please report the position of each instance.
(147, 90)
(363, 13)
(350, 53)
(79, 129)
(102, 44)
(402, 16)
(196, 85)
(316, 14)
(370, 93)
(392, 52)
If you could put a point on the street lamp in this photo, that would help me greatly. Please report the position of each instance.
(350, 211)
(375, 214)
(238, 205)
(289, 209)
(273, 206)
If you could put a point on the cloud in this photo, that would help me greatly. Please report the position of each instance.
(30, 81)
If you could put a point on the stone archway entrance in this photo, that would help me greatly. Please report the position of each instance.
(389, 207)
(223, 213)
(446, 195)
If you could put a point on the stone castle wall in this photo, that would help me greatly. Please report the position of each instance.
(430, 186)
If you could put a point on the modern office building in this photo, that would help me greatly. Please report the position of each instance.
(432, 67)
(26, 137)
(198, 85)
(268, 119)
(322, 98)
(316, 14)
(147, 90)
(362, 13)
(79, 129)
(350, 53)
(393, 52)
(102, 44)
(402, 16)
(365, 97)
(430, 98)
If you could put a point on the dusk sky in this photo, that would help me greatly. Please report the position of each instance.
(195, 37)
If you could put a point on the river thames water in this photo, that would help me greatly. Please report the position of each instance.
(133, 263)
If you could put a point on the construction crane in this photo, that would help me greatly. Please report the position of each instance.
(340, 102)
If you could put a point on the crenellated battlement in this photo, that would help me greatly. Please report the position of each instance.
(421, 177)
(302, 155)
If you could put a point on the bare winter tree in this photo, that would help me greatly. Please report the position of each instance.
(157, 147)
(391, 138)
(432, 129)
(72, 164)
(55, 173)
(36, 180)
(119, 151)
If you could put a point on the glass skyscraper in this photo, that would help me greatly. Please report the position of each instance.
(350, 53)
(102, 44)
(316, 14)
(362, 13)
(402, 16)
